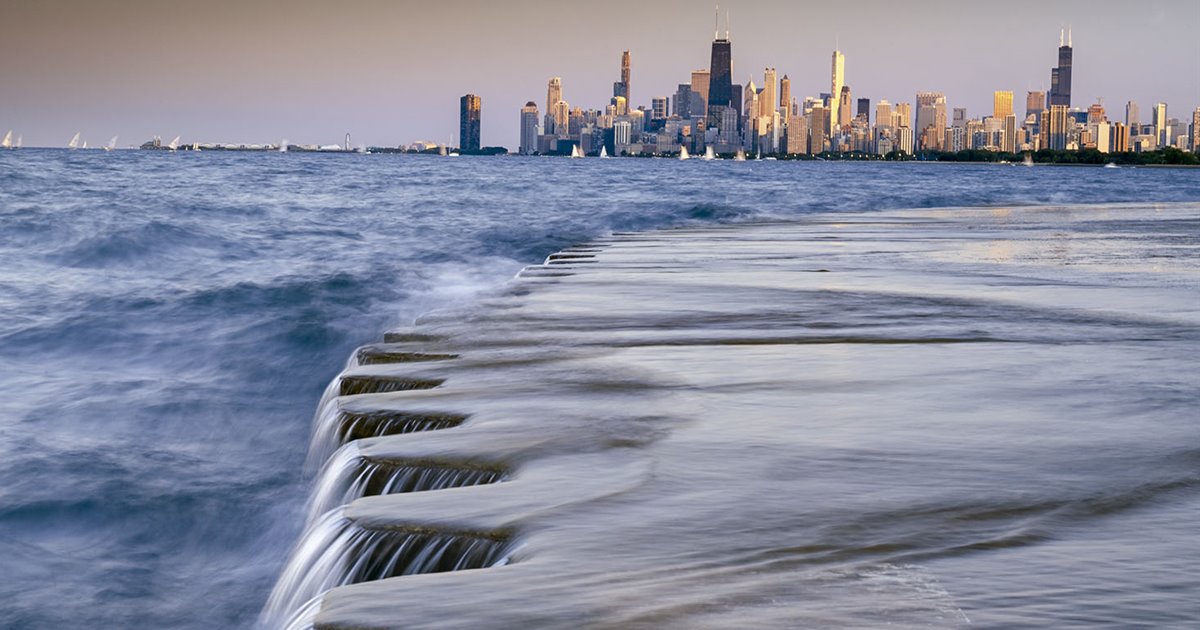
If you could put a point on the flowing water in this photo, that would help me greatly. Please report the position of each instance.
(993, 419)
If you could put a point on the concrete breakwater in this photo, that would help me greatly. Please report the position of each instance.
(836, 421)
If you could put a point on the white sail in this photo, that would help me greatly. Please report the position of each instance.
(740, 156)
(283, 146)
(19, 139)
(84, 145)
(174, 144)
(603, 152)
(7, 142)
(683, 153)
(112, 144)
(74, 143)
(709, 153)
(575, 151)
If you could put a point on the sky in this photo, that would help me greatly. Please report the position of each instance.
(391, 72)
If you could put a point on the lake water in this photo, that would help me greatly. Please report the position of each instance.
(984, 415)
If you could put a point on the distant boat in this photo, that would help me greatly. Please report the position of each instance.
(7, 142)
(603, 152)
(283, 146)
(683, 153)
(112, 144)
(84, 145)
(709, 153)
(740, 156)
(74, 143)
(1111, 165)
(575, 151)
(174, 146)
(442, 151)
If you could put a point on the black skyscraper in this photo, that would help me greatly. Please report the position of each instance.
(1060, 77)
(720, 83)
(468, 123)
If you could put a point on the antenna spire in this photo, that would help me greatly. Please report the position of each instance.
(1069, 44)
(726, 23)
(1061, 41)
(716, 21)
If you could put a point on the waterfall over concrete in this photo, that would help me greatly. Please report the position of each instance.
(801, 424)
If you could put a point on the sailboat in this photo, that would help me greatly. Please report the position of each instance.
(283, 146)
(709, 153)
(603, 152)
(112, 144)
(174, 146)
(74, 143)
(19, 139)
(740, 156)
(575, 151)
(683, 153)
(7, 142)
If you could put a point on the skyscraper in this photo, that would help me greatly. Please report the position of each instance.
(768, 102)
(719, 92)
(864, 110)
(1196, 131)
(468, 123)
(1133, 118)
(1035, 103)
(845, 108)
(836, 79)
(553, 93)
(1002, 104)
(621, 88)
(529, 128)
(1060, 76)
(931, 120)
(1160, 125)
(785, 96)
(701, 79)
(658, 108)
(1054, 131)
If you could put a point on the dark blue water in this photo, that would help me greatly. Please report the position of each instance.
(170, 320)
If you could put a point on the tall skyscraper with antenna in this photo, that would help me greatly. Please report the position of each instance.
(1060, 76)
(720, 84)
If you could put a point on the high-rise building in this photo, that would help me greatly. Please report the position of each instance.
(1054, 129)
(1133, 117)
(883, 113)
(529, 128)
(1196, 131)
(719, 89)
(836, 79)
(959, 118)
(701, 82)
(785, 96)
(554, 93)
(621, 88)
(658, 108)
(1035, 103)
(683, 101)
(468, 122)
(864, 110)
(1008, 134)
(1002, 104)
(902, 117)
(931, 120)
(845, 108)
(1095, 113)
(818, 125)
(768, 102)
(561, 115)
(1160, 125)
(1060, 76)
(1120, 138)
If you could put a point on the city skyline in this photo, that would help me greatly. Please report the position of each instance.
(312, 72)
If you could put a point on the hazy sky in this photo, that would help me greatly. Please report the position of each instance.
(391, 72)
